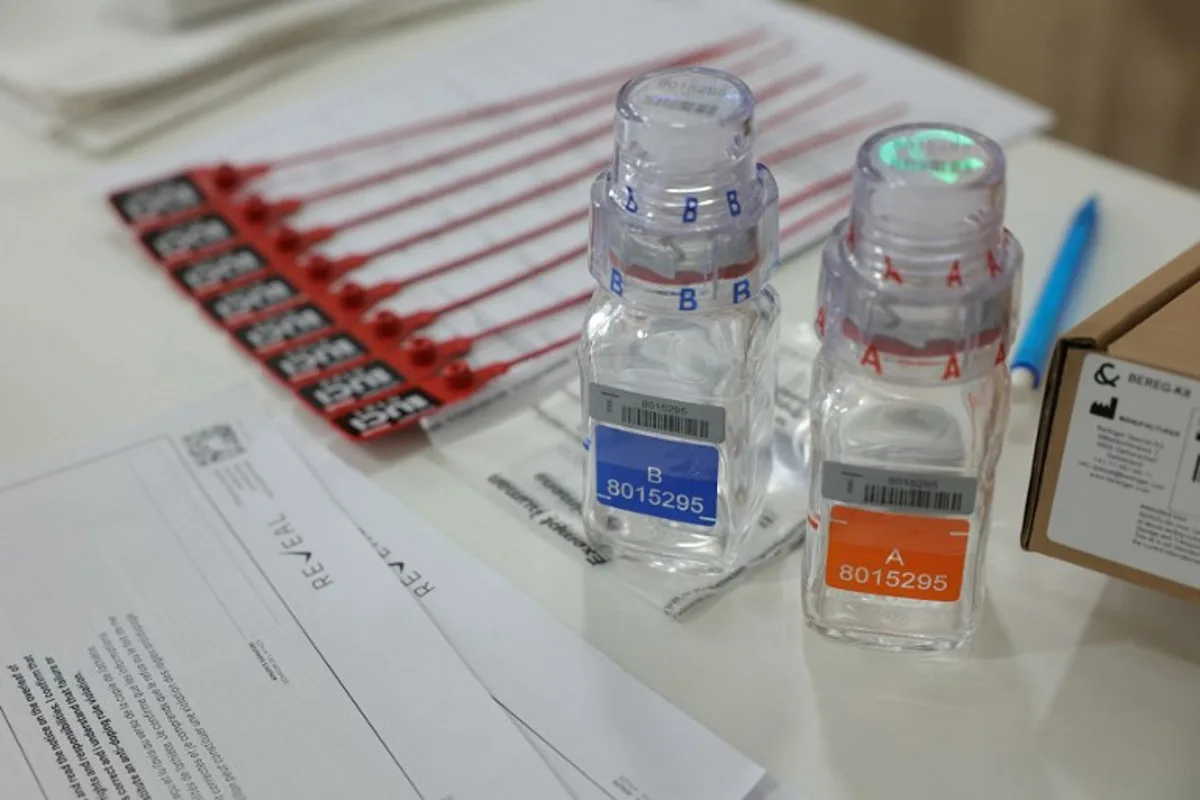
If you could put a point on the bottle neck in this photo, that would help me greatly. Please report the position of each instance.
(689, 200)
(946, 321)
(925, 260)
(732, 290)
(684, 250)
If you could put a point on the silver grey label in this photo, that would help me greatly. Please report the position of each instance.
(925, 493)
(656, 414)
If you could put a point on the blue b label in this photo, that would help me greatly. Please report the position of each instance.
(658, 477)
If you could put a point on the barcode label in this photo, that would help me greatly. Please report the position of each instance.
(661, 415)
(896, 490)
(921, 499)
(664, 423)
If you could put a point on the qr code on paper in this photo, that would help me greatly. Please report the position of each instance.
(213, 444)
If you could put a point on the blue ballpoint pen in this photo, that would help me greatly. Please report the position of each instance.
(1040, 334)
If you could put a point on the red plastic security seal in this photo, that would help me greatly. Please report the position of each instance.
(182, 194)
(404, 407)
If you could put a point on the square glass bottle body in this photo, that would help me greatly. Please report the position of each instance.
(917, 306)
(678, 412)
(900, 506)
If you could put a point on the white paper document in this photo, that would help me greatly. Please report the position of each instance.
(607, 736)
(184, 613)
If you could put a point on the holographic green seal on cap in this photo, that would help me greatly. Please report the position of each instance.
(928, 180)
(944, 154)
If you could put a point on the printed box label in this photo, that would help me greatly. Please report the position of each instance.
(1129, 480)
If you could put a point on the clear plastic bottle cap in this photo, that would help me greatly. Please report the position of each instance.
(685, 218)
(920, 282)
(923, 184)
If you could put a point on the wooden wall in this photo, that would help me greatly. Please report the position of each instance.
(1123, 76)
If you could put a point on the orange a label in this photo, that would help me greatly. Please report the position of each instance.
(897, 555)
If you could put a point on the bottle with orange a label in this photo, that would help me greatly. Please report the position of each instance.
(917, 309)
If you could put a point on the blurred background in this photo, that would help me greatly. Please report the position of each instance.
(1123, 76)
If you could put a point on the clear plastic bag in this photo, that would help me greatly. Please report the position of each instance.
(531, 464)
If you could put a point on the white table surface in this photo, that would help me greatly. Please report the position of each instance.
(1078, 686)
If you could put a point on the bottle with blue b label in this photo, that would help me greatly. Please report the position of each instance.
(678, 352)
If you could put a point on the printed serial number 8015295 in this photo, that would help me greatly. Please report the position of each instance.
(893, 578)
(655, 497)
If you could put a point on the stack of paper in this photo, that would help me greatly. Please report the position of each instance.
(76, 71)
(211, 606)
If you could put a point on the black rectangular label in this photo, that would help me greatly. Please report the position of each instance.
(351, 387)
(251, 299)
(387, 414)
(309, 359)
(288, 326)
(188, 236)
(161, 198)
(214, 271)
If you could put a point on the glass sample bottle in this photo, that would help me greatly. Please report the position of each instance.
(917, 310)
(677, 357)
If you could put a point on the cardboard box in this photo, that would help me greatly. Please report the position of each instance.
(1116, 473)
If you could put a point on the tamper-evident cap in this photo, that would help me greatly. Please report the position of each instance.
(929, 186)
(685, 218)
(921, 282)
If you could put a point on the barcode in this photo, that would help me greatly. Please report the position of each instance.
(213, 444)
(665, 423)
(904, 497)
(703, 109)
